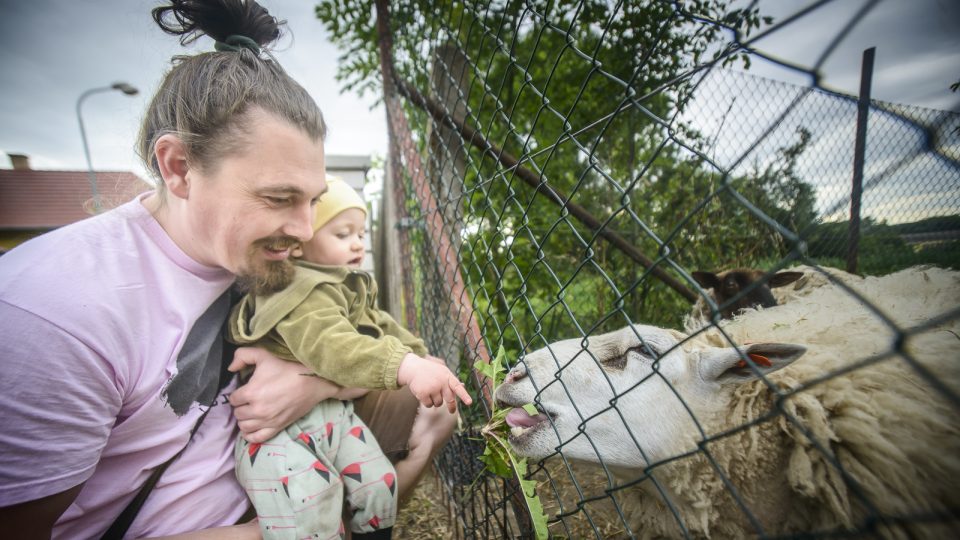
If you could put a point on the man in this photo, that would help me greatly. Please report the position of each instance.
(111, 348)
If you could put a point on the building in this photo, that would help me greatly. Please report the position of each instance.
(33, 202)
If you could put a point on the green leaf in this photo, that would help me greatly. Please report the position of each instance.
(485, 369)
(493, 369)
(529, 489)
(496, 462)
(498, 456)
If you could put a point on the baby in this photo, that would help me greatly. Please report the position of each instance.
(327, 319)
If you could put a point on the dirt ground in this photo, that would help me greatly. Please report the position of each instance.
(425, 516)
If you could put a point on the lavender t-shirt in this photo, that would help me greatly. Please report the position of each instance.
(95, 317)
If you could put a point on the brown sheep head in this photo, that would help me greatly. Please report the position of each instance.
(728, 288)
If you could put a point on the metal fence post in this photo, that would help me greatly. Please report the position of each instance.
(860, 148)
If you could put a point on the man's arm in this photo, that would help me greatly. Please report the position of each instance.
(39, 484)
(245, 531)
(347, 394)
(35, 519)
(277, 393)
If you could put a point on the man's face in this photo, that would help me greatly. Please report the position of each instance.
(340, 241)
(255, 206)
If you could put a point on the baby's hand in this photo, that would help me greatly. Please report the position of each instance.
(431, 382)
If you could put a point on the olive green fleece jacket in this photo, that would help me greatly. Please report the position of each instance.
(327, 320)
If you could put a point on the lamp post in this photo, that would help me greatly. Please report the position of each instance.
(126, 89)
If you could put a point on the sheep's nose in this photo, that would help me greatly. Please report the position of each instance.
(517, 373)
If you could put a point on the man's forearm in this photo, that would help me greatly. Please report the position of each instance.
(246, 531)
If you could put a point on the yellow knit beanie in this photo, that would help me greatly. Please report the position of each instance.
(338, 197)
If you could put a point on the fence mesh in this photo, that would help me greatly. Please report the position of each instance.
(564, 168)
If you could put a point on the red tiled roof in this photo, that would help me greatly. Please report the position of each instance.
(33, 199)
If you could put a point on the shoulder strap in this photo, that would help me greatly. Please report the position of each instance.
(125, 519)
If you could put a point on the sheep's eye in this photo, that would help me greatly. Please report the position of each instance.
(646, 351)
(615, 363)
(618, 362)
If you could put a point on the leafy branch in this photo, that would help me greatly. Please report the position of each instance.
(498, 456)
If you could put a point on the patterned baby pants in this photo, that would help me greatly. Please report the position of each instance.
(297, 480)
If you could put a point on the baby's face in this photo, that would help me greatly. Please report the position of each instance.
(340, 241)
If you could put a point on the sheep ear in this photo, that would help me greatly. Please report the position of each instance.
(783, 278)
(707, 280)
(727, 366)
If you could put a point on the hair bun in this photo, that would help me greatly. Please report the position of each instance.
(218, 19)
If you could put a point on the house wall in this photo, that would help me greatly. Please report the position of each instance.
(352, 169)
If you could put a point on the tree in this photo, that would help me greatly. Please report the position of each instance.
(588, 94)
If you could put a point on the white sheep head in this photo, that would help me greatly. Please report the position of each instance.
(628, 398)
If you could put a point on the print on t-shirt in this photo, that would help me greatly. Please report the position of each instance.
(201, 364)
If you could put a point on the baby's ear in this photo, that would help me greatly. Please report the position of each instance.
(297, 251)
(739, 365)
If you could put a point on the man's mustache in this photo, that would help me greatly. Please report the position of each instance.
(277, 242)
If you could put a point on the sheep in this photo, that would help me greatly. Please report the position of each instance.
(642, 400)
(726, 285)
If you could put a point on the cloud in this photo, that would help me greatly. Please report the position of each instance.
(919, 39)
(54, 50)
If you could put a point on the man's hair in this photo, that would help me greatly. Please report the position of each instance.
(205, 99)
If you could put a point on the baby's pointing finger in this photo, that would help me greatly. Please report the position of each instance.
(450, 398)
(461, 391)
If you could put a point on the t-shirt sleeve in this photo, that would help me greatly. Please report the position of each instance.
(58, 403)
(319, 335)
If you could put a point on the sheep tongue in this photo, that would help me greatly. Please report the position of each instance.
(521, 418)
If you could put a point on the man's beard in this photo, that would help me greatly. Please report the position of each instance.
(261, 277)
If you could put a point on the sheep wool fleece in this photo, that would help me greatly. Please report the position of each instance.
(327, 320)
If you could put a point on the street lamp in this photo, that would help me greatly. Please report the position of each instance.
(126, 89)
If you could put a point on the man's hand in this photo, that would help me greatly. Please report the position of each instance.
(348, 394)
(277, 393)
(431, 382)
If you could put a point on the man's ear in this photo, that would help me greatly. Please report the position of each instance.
(171, 157)
(738, 365)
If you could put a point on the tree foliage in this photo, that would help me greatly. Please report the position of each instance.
(588, 95)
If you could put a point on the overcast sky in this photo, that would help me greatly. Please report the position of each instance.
(51, 51)
(917, 47)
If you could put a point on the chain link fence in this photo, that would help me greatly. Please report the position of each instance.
(560, 169)
(911, 195)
